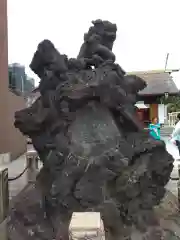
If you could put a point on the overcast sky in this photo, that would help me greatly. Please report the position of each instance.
(147, 29)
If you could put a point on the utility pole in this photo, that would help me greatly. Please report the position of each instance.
(166, 62)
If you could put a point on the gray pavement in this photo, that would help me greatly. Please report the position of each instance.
(14, 169)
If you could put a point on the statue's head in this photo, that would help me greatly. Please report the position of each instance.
(30, 120)
(105, 30)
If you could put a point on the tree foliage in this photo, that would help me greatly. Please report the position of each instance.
(172, 102)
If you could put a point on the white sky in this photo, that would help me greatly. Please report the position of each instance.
(147, 29)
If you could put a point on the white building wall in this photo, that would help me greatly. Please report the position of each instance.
(161, 113)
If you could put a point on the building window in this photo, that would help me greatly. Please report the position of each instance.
(12, 81)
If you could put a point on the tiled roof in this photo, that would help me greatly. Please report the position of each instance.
(158, 83)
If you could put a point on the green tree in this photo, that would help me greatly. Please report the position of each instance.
(172, 102)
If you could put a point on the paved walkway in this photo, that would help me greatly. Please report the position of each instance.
(14, 169)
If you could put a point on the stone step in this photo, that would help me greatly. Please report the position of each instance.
(166, 131)
(166, 134)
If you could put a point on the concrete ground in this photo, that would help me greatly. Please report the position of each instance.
(14, 169)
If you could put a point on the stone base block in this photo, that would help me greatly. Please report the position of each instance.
(31, 153)
(32, 162)
(87, 225)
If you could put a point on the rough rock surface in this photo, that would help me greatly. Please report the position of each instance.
(95, 153)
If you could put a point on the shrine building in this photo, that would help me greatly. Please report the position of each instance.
(159, 83)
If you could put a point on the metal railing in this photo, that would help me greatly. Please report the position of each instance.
(31, 169)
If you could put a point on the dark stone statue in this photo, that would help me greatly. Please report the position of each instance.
(95, 153)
